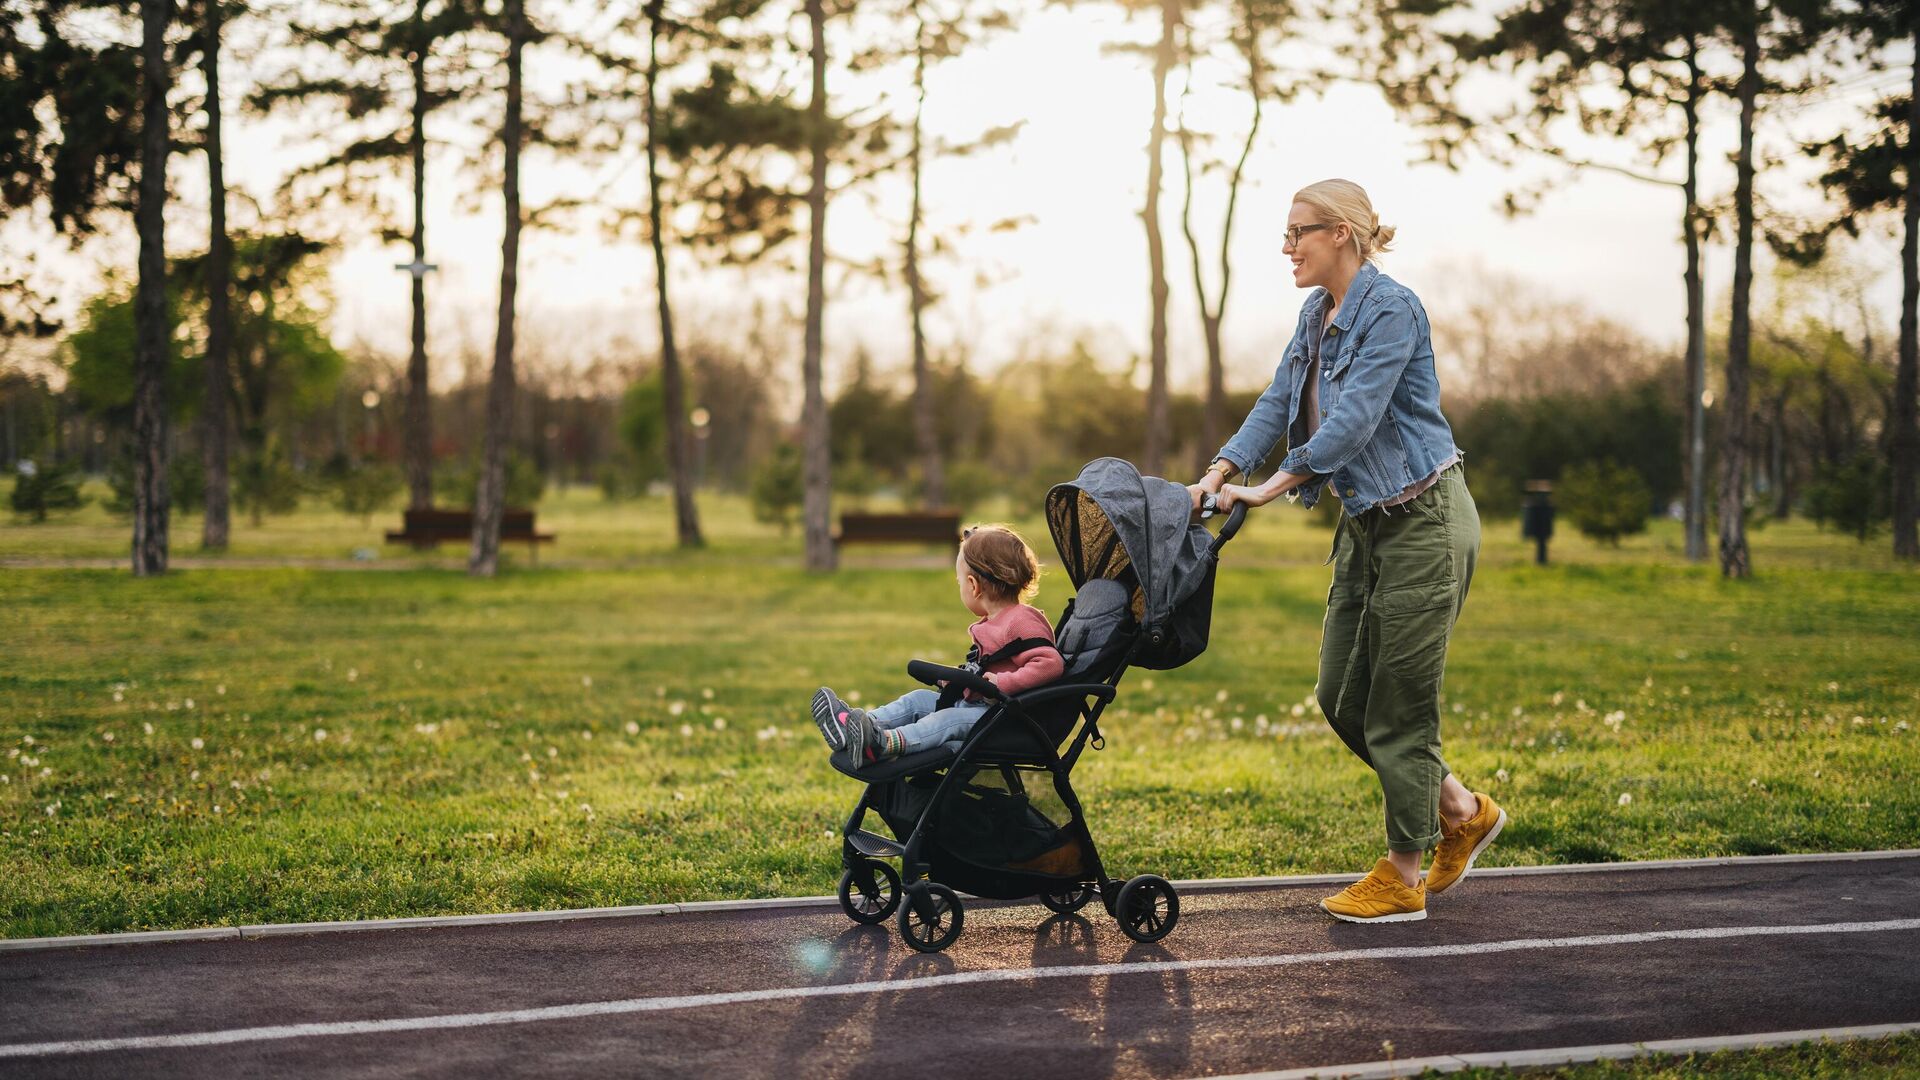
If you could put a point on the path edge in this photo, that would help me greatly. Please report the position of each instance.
(1198, 885)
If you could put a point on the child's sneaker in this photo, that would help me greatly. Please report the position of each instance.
(863, 739)
(830, 713)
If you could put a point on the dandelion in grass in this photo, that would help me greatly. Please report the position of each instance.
(679, 796)
(199, 744)
(417, 665)
(1626, 798)
(118, 696)
(686, 731)
(719, 723)
(707, 692)
(553, 751)
(854, 697)
(194, 775)
(675, 708)
(353, 674)
(5, 779)
(220, 690)
(1146, 684)
(586, 735)
(633, 728)
(52, 808)
(148, 728)
(586, 681)
(1220, 695)
(1298, 711)
(319, 734)
(1502, 775)
(106, 736)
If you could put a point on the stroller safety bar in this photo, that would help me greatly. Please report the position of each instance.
(932, 674)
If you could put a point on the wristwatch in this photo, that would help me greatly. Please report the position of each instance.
(1225, 468)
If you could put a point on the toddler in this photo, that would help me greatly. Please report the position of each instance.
(1013, 642)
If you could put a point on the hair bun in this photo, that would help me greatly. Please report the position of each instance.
(1382, 236)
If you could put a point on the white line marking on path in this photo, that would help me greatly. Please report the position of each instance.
(927, 982)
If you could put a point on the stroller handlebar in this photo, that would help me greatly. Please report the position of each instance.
(931, 673)
(1209, 506)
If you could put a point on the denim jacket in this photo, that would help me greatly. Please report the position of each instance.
(1380, 422)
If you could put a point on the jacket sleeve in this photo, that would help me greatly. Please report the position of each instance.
(1381, 357)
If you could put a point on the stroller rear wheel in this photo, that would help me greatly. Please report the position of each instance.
(1147, 908)
(869, 891)
(1068, 902)
(931, 918)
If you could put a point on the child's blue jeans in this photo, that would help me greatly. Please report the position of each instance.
(921, 722)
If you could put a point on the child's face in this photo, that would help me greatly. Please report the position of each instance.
(970, 593)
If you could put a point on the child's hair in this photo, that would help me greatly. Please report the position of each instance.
(1005, 565)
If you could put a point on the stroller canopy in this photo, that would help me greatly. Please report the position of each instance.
(1112, 523)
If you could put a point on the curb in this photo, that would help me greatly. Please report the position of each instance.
(1574, 1055)
(1198, 885)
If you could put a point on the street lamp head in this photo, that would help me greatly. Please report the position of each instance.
(371, 399)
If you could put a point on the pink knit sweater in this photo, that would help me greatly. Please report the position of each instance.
(1024, 670)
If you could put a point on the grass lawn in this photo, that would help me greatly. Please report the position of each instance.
(289, 743)
(1868, 1059)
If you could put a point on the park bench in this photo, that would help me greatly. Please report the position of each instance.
(426, 528)
(931, 527)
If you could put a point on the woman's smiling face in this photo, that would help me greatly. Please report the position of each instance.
(1316, 253)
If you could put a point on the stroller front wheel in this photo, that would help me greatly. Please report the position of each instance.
(931, 918)
(1147, 908)
(869, 891)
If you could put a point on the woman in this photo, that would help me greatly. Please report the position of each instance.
(1358, 403)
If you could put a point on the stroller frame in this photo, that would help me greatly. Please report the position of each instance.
(1010, 736)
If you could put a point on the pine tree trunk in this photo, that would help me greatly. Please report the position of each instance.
(1735, 561)
(679, 449)
(926, 432)
(419, 411)
(151, 498)
(1905, 436)
(489, 500)
(1695, 461)
(216, 401)
(817, 459)
(1154, 456)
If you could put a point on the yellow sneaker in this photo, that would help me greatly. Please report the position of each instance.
(1379, 897)
(1457, 850)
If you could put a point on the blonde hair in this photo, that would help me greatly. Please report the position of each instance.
(1343, 202)
(1005, 566)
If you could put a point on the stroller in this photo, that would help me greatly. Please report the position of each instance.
(996, 816)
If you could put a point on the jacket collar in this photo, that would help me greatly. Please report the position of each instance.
(1356, 293)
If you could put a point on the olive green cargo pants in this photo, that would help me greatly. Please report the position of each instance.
(1400, 578)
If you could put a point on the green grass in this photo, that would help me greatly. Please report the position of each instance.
(1865, 1059)
(634, 730)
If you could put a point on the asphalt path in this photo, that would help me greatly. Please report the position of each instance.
(1252, 979)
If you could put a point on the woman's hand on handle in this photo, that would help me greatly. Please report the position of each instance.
(1276, 485)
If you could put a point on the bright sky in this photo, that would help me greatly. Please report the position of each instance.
(1080, 268)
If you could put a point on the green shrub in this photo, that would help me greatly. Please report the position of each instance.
(775, 490)
(1605, 500)
(41, 488)
(186, 483)
(1854, 495)
(363, 488)
(525, 483)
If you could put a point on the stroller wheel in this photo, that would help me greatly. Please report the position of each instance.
(869, 891)
(1068, 902)
(931, 917)
(1147, 908)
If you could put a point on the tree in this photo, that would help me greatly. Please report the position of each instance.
(150, 513)
(702, 151)
(488, 498)
(215, 416)
(1874, 176)
(816, 454)
(1619, 68)
(387, 119)
(1253, 22)
(1605, 500)
(1153, 457)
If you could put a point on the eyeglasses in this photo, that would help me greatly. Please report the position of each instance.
(1295, 232)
